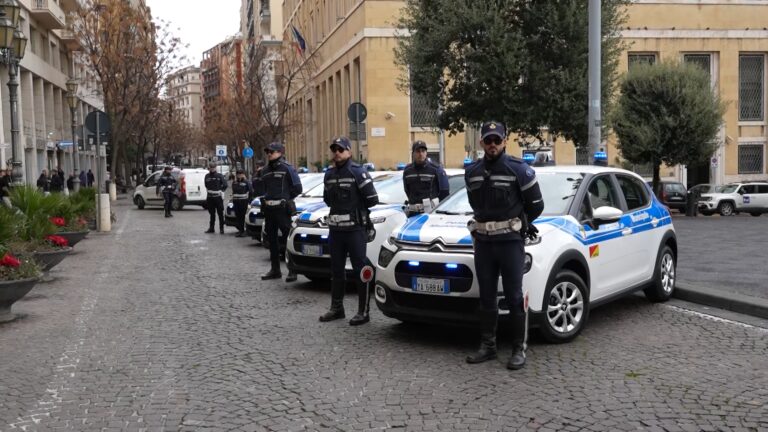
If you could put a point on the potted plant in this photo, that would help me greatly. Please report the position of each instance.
(84, 204)
(69, 221)
(17, 274)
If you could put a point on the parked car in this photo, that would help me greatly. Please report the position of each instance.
(602, 234)
(735, 198)
(190, 191)
(673, 195)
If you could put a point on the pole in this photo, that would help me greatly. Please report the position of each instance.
(17, 174)
(98, 174)
(441, 134)
(76, 153)
(594, 119)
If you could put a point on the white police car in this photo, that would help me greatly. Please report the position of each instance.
(602, 234)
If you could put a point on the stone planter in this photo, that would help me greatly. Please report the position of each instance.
(48, 260)
(73, 237)
(10, 292)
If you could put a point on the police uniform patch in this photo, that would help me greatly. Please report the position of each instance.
(530, 173)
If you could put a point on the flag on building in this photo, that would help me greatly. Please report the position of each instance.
(300, 43)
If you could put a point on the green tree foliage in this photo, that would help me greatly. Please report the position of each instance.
(522, 62)
(667, 113)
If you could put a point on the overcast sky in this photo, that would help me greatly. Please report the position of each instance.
(199, 24)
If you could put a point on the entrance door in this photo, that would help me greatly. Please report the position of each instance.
(698, 174)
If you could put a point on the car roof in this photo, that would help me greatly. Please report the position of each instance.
(586, 169)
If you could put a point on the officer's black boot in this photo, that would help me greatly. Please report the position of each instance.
(240, 234)
(487, 349)
(274, 273)
(221, 228)
(519, 329)
(292, 277)
(337, 302)
(363, 302)
(210, 229)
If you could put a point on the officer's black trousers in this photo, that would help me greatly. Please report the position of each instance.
(500, 257)
(241, 207)
(167, 202)
(276, 219)
(343, 243)
(215, 206)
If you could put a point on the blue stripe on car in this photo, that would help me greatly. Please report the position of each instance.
(412, 229)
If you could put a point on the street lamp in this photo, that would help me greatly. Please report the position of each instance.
(72, 102)
(13, 43)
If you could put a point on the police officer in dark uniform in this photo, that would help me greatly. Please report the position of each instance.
(349, 193)
(281, 185)
(167, 185)
(423, 180)
(215, 184)
(505, 197)
(241, 196)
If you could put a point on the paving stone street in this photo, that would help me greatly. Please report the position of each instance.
(159, 327)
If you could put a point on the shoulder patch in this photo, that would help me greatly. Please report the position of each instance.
(530, 173)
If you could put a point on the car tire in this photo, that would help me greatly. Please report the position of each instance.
(139, 201)
(756, 214)
(176, 204)
(725, 208)
(556, 324)
(664, 277)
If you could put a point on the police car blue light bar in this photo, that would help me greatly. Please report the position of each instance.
(303, 236)
(451, 266)
(601, 156)
(467, 162)
(413, 263)
(529, 157)
(400, 166)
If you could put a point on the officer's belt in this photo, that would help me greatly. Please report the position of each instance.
(240, 196)
(274, 203)
(495, 227)
(415, 207)
(214, 193)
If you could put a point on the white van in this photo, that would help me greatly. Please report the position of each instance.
(191, 189)
(192, 186)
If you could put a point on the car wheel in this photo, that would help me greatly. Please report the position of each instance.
(664, 277)
(565, 309)
(139, 202)
(725, 209)
(176, 204)
(756, 214)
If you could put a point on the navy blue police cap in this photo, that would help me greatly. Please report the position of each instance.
(342, 142)
(418, 145)
(276, 146)
(493, 128)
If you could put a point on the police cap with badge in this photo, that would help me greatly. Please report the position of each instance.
(493, 128)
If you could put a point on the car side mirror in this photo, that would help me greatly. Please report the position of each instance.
(606, 214)
(741, 191)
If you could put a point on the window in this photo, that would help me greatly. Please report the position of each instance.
(423, 113)
(704, 61)
(762, 189)
(751, 158)
(602, 193)
(635, 193)
(751, 87)
(748, 189)
(635, 59)
(151, 181)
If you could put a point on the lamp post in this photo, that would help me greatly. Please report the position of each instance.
(13, 43)
(72, 102)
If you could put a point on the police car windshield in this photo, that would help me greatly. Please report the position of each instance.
(390, 189)
(317, 191)
(557, 189)
(309, 181)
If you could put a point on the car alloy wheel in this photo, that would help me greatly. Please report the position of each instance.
(566, 308)
(726, 209)
(664, 277)
(140, 202)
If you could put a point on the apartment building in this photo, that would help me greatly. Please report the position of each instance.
(222, 74)
(43, 113)
(261, 24)
(184, 89)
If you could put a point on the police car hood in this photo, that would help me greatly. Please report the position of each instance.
(317, 211)
(301, 204)
(450, 229)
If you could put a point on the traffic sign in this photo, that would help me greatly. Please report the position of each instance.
(247, 152)
(357, 112)
(221, 151)
(103, 125)
(714, 162)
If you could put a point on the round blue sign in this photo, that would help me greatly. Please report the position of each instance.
(248, 152)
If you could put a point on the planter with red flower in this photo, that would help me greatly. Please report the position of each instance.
(55, 250)
(18, 276)
(74, 231)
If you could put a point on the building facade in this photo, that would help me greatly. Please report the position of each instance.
(184, 89)
(222, 74)
(43, 113)
(261, 23)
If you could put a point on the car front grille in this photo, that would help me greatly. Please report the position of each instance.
(435, 302)
(309, 261)
(460, 279)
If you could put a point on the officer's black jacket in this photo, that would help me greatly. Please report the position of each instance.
(349, 190)
(215, 182)
(166, 183)
(241, 187)
(503, 189)
(257, 184)
(5, 184)
(427, 180)
(280, 180)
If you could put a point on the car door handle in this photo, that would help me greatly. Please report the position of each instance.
(626, 231)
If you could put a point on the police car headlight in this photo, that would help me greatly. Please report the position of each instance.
(385, 256)
(528, 263)
(378, 220)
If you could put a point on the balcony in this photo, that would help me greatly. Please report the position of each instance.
(69, 39)
(264, 11)
(48, 14)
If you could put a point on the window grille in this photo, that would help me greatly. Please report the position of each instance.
(582, 156)
(704, 61)
(643, 170)
(637, 59)
(751, 87)
(751, 158)
(423, 113)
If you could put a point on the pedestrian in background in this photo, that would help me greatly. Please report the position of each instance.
(349, 192)
(71, 182)
(56, 181)
(167, 186)
(91, 178)
(216, 185)
(83, 179)
(425, 182)
(281, 185)
(505, 199)
(44, 183)
(5, 187)
(241, 196)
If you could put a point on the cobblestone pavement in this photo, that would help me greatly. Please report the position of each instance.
(727, 253)
(160, 327)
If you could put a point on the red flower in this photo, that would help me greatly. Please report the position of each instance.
(58, 221)
(57, 240)
(9, 260)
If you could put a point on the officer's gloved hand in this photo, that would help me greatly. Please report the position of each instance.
(532, 233)
(370, 233)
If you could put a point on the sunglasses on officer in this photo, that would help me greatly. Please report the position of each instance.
(337, 149)
(268, 151)
(495, 140)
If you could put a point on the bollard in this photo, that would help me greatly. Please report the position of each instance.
(112, 191)
(105, 215)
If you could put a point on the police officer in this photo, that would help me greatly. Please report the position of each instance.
(349, 193)
(505, 198)
(281, 185)
(423, 180)
(215, 184)
(241, 196)
(167, 186)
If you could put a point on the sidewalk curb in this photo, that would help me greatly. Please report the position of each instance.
(740, 303)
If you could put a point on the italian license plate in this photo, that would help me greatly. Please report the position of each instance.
(312, 250)
(429, 285)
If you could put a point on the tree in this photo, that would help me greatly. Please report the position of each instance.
(667, 113)
(522, 62)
